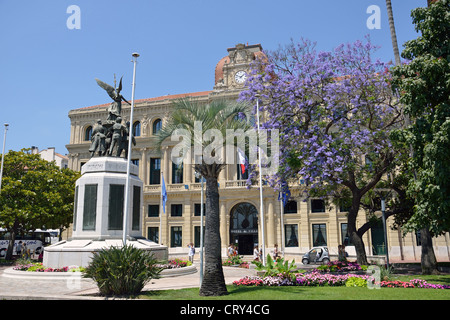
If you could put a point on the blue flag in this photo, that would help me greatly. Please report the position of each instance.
(163, 195)
(285, 193)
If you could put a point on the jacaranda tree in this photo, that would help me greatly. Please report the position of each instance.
(334, 111)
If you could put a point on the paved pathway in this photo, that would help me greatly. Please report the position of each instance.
(76, 289)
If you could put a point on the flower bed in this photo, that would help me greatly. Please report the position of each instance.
(235, 261)
(414, 283)
(341, 266)
(317, 279)
(175, 264)
(39, 267)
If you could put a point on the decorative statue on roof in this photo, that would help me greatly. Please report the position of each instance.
(115, 107)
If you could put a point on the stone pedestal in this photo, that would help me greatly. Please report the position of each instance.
(98, 214)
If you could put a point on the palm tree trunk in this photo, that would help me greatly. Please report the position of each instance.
(213, 283)
(393, 33)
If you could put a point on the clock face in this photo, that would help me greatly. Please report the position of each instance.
(240, 77)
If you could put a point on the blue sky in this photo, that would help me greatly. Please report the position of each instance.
(47, 69)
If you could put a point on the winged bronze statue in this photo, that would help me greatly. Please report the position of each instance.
(115, 107)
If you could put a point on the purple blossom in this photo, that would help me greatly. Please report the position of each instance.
(331, 109)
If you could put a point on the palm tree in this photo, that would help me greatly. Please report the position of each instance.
(218, 115)
(393, 33)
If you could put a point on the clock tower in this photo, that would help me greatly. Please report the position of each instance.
(232, 71)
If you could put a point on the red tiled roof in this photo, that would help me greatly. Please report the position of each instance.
(218, 75)
(162, 98)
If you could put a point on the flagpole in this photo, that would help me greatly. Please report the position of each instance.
(263, 245)
(130, 138)
(201, 232)
(161, 210)
(3, 155)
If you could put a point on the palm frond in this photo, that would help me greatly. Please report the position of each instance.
(219, 114)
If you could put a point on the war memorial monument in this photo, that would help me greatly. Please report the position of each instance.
(99, 195)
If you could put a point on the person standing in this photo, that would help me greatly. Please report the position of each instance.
(230, 251)
(256, 254)
(191, 252)
(25, 251)
(276, 253)
(19, 249)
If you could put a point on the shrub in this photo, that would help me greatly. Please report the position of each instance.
(279, 268)
(122, 271)
(356, 282)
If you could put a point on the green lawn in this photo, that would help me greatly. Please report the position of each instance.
(315, 293)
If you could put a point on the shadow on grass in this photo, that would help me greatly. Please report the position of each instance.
(445, 280)
(234, 293)
(254, 290)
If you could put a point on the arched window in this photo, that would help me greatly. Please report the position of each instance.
(244, 227)
(157, 124)
(244, 217)
(137, 129)
(88, 134)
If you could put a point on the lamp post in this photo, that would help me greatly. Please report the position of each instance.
(135, 55)
(199, 176)
(261, 206)
(3, 155)
(383, 210)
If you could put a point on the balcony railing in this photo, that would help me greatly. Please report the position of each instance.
(178, 187)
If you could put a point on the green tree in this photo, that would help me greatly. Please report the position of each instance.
(217, 116)
(35, 194)
(424, 88)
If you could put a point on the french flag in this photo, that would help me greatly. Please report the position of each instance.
(241, 160)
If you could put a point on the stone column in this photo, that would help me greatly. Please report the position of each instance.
(270, 224)
(166, 167)
(143, 167)
(304, 228)
(223, 225)
(222, 174)
(333, 233)
(188, 226)
(188, 170)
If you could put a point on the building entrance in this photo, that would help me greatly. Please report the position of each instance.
(244, 227)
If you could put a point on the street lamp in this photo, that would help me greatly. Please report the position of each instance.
(3, 155)
(199, 176)
(135, 55)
